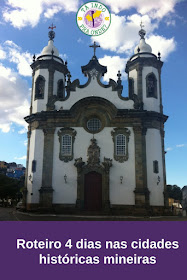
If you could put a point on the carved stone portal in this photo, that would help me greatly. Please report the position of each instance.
(93, 164)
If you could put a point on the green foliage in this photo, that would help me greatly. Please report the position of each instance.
(9, 187)
(174, 192)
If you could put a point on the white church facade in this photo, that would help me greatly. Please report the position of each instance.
(89, 148)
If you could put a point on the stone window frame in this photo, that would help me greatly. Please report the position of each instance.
(155, 95)
(90, 117)
(155, 166)
(62, 132)
(37, 95)
(59, 94)
(126, 133)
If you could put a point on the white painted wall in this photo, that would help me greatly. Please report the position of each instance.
(154, 152)
(150, 103)
(40, 104)
(133, 74)
(36, 153)
(119, 193)
(94, 89)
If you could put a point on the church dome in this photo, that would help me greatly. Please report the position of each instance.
(49, 49)
(142, 47)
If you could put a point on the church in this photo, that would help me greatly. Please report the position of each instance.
(90, 149)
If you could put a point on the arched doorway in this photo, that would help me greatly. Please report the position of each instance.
(93, 191)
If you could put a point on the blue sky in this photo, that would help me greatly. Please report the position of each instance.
(24, 32)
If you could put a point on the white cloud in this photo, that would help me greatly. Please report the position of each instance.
(114, 63)
(21, 158)
(154, 8)
(25, 143)
(122, 36)
(161, 44)
(27, 13)
(169, 149)
(180, 145)
(15, 54)
(14, 95)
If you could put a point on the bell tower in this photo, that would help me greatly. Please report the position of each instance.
(144, 78)
(48, 86)
(144, 74)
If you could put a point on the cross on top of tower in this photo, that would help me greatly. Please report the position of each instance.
(141, 24)
(51, 33)
(52, 26)
(142, 31)
(94, 46)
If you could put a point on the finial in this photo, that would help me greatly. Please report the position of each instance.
(69, 76)
(51, 33)
(142, 32)
(159, 55)
(119, 77)
(66, 63)
(94, 46)
(34, 57)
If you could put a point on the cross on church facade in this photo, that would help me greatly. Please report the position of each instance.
(94, 46)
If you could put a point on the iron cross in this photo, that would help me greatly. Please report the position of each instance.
(52, 26)
(94, 46)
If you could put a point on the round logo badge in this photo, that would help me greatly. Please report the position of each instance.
(93, 18)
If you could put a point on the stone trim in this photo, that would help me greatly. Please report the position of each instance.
(61, 133)
(46, 191)
(50, 63)
(155, 86)
(141, 191)
(126, 133)
(36, 94)
(93, 164)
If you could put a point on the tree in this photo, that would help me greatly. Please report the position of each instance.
(9, 187)
(174, 192)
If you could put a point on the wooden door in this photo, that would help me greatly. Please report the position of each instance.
(93, 191)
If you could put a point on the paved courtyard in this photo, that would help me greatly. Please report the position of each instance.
(11, 214)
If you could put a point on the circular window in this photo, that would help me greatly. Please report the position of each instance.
(94, 125)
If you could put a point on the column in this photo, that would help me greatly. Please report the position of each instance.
(141, 190)
(46, 191)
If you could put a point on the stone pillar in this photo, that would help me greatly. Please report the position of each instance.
(139, 69)
(50, 105)
(160, 90)
(46, 191)
(166, 202)
(32, 92)
(141, 190)
(27, 166)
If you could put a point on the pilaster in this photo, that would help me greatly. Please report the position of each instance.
(46, 191)
(139, 70)
(141, 190)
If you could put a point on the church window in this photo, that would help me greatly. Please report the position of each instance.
(131, 87)
(120, 145)
(39, 87)
(34, 166)
(151, 85)
(94, 125)
(66, 139)
(155, 166)
(120, 138)
(60, 89)
(66, 145)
